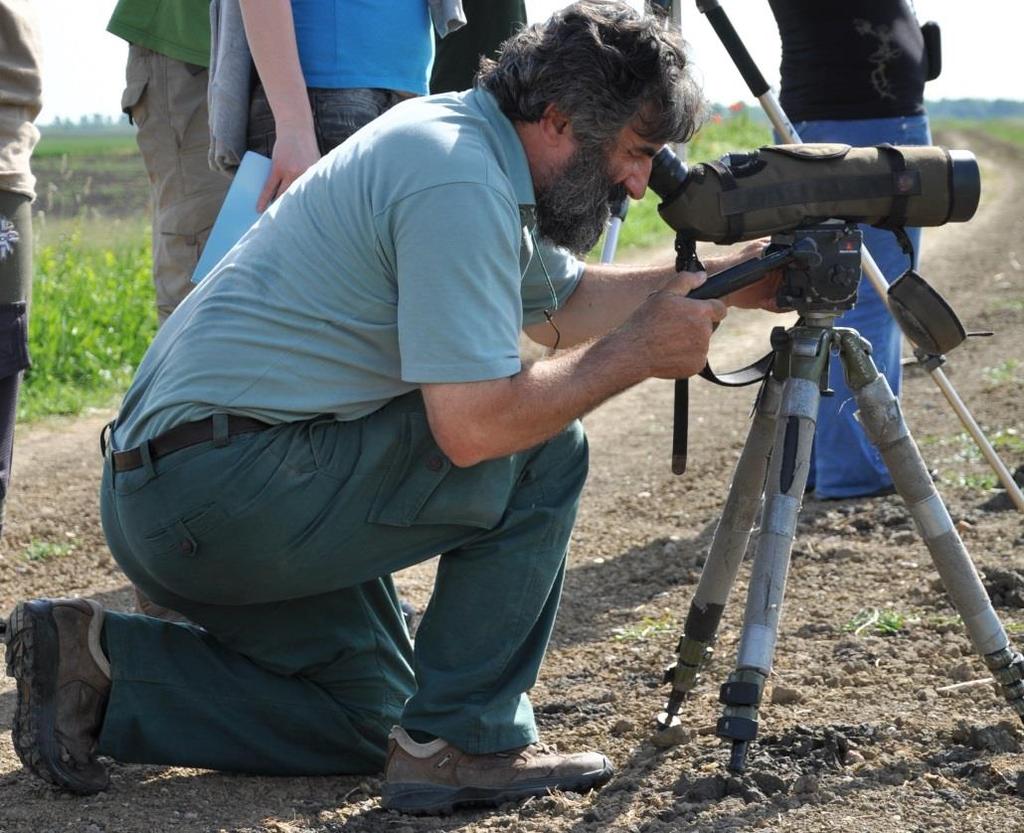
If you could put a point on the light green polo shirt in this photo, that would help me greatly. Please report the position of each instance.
(405, 256)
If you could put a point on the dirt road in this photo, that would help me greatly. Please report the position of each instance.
(866, 732)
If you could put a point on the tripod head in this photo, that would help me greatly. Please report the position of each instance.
(823, 275)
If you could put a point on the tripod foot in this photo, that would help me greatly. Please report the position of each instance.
(741, 695)
(693, 655)
(1007, 666)
(738, 757)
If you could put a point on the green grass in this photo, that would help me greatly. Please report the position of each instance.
(92, 319)
(878, 622)
(645, 629)
(46, 550)
(982, 482)
(1004, 373)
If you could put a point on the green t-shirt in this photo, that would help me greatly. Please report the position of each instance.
(405, 256)
(178, 28)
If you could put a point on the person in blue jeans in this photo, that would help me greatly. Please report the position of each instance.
(854, 72)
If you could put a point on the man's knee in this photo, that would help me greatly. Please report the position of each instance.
(566, 456)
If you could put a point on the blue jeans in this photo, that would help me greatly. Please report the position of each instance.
(844, 463)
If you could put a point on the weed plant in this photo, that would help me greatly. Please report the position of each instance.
(92, 318)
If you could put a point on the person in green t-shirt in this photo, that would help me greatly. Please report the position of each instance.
(165, 97)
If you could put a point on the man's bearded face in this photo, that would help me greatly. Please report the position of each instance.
(572, 207)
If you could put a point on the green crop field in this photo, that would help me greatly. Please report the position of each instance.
(1009, 130)
(89, 175)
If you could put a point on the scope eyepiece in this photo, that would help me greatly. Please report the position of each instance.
(668, 174)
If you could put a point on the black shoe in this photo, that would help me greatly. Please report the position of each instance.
(53, 651)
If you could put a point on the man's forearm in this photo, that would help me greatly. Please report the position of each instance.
(482, 420)
(605, 297)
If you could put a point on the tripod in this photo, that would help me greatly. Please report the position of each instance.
(774, 464)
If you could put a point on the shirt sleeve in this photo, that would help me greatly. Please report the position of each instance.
(456, 257)
(551, 277)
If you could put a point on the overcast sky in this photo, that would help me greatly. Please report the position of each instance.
(83, 68)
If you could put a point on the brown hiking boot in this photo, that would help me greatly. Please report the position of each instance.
(53, 651)
(436, 777)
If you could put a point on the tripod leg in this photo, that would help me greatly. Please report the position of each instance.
(879, 413)
(802, 357)
(726, 554)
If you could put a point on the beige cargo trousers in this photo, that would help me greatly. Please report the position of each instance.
(166, 99)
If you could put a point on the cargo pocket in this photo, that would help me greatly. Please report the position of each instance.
(422, 487)
(13, 338)
(185, 535)
(417, 468)
(136, 80)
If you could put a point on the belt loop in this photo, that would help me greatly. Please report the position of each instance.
(147, 459)
(220, 430)
(105, 432)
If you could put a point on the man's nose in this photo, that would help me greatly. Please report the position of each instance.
(635, 178)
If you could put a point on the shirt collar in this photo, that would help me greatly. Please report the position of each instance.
(512, 155)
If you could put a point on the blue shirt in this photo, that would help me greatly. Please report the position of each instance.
(405, 256)
(387, 44)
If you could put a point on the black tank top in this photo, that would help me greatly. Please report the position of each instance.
(853, 59)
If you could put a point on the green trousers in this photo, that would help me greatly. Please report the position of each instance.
(280, 545)
(15, 291)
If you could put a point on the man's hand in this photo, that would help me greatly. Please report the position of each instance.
(748, 251)
(295, 149)
(671, 331)
(760, 295)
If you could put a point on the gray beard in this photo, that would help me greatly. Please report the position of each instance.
(572, 209)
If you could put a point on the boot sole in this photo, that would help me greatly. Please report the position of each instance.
(32, 656)
(432, 800)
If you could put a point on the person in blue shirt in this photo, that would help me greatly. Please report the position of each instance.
(325, 69)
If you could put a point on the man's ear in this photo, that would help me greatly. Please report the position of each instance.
(555, 126)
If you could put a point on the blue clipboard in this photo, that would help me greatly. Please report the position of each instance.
(237, 214)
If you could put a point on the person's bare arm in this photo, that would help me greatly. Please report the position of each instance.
(607, 295)
(270, 30)
(666, 337)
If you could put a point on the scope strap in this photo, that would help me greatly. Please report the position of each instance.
(734, 221)
(754, 372)
(903, 186)
(748, 375)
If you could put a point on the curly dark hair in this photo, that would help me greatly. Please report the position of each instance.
(605, 67)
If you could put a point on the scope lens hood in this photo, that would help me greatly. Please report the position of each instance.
(964, 185)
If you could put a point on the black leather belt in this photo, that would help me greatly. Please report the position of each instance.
(182, 436)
